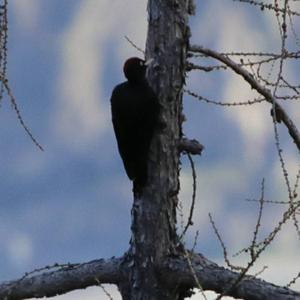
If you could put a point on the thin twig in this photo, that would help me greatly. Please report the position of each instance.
(19, 116)
(293, 281)
(266, 242)
(258, 222)
(263, 5)
(105, 291)
(134, 45)
(190, 218)
(198, 284)
(293, 131)
(225, 254)
(225, 103)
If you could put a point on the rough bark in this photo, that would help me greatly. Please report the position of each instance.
(154, 209)
(177, 271)
(64, 280)
(173, 272)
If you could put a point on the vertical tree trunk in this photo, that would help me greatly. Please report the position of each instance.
(154, 209)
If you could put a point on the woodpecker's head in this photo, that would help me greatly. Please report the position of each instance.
(135, 69)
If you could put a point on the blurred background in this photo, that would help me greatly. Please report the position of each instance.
(71, 203)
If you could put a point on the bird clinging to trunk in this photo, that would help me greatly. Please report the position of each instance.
(135, 111)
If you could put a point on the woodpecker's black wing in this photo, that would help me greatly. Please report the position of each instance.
(135, 111)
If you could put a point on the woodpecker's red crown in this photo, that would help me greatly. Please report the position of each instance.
(134, 69)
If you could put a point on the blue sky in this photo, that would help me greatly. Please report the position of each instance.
(72, 202)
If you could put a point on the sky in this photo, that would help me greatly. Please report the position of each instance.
(71, 203)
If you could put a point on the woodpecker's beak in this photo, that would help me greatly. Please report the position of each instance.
(148, 62)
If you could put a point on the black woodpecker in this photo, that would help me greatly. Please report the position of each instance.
(135, 111)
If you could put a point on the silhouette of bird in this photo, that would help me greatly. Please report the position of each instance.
(135, 111)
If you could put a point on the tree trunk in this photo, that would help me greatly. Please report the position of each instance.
(154, 210)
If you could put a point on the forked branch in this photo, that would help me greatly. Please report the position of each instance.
(173, 271)
(176, 271)
(284, 117)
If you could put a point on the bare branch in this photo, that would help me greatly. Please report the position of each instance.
(292, 55)
(3, 43)
(258, 222)
(293, 131)
(220, 103)
(190, 66)
(190, 218)
(263, 5)
(254, 253)
(213, 277)
(293, 281)
(188, 256)
(59, 282)
(105, 291)
(225, 253)
(17, 110)
(190, 146)
(134, 45)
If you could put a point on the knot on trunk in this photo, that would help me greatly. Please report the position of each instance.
(190, 146)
